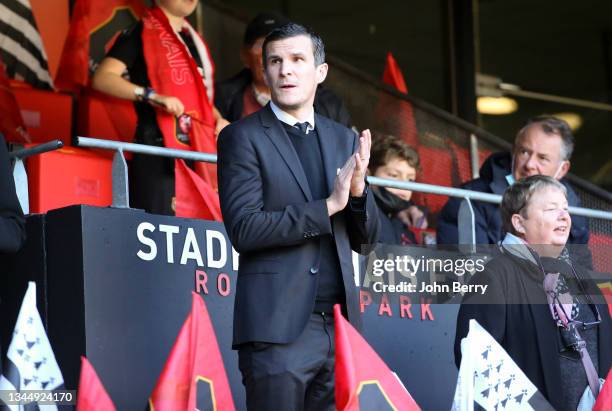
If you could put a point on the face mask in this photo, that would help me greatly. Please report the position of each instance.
(389, 202)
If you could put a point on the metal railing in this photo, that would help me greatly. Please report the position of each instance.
(121, 194)
(19, 172)
(466, 218)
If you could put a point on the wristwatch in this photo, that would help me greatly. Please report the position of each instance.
(143, 94)
(139, 93)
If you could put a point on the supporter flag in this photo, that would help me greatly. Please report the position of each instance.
(91, 394)
(604, 399)
(489, 379)
(193, 376)
(363, 380)
(21, 47)
(401, 110)
(393, 75)
(93, 27)
(30, 362)
(11, 123)
(195, 198)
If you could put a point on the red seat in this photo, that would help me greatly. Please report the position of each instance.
(69, 176)
(601, 248)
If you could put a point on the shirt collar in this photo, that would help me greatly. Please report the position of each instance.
(289, 119)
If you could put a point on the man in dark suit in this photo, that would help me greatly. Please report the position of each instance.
(295, 203)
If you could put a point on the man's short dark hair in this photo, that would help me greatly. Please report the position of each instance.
(293, 30)
(551, 125)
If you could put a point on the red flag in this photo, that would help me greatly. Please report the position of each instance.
(396, 109)
(11, 123)
(195, 198)
(606, 290)
(363, 380)
(95, 23)
(91, 395)
(104, 116)
(193, 376)
(604, 399)
(393, 75)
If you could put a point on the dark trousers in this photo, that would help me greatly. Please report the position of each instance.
(292, 377)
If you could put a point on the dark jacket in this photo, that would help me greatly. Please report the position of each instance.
(12, 221)
(393, 231)
(489, 229)
(275, 224)
(515, 312)
(229, 93)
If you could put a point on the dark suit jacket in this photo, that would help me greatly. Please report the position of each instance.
(274, 223)
(515, 312)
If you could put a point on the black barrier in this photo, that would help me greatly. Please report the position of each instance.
(38, 149)
(116, 283)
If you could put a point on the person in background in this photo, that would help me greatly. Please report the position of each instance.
(162, 84)
(247, 91)
(392, 158)
(543, 146)
(548, 315)
(12, 221)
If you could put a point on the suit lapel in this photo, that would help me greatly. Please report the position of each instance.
(327, 142)
(275, 132)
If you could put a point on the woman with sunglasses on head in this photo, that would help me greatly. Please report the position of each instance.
(548, 315)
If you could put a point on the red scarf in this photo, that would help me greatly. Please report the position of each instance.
(173, 72)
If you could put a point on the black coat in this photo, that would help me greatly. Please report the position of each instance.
(489, 228)
(229, 93)
(12, 221)
(515, 312)
(393, 231)
(274, 223)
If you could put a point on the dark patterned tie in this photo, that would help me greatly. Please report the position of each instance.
(302, 126)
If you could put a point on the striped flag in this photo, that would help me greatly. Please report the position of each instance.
(30, 362)
(489, 379)
(21, 48)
